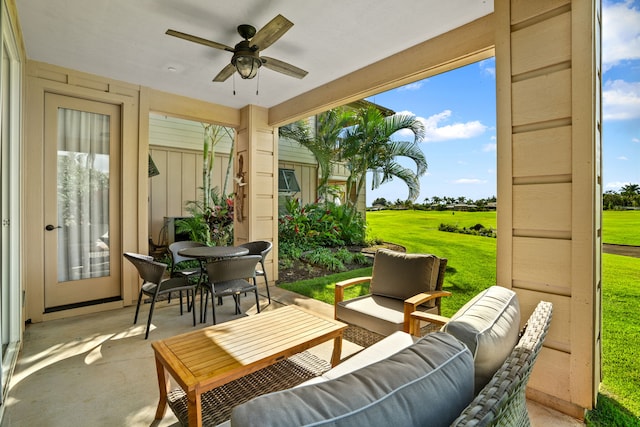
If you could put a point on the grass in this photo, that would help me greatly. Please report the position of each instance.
(471, 268)
(621, 227)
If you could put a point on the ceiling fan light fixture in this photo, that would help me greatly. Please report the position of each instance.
(247, 65)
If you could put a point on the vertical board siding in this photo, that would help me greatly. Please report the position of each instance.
(176, 149)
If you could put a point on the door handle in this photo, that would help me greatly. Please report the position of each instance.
(50, 227)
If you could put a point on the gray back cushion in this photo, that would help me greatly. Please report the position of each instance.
(401, 276)
(427, 383)
(489, 325)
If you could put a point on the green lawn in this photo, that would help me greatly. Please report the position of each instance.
(471, 268)
(621, 227)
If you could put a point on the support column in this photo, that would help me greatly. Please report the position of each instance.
(549, 185)
(256, 186)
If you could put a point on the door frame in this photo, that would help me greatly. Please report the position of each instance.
(43, 78)
(11, 321)
(81, 292)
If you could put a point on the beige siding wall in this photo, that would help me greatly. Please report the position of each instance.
(549, 186)
(175, 145)
(179, 182)
(291, 151)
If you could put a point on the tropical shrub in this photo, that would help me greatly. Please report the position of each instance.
(306, 232)
(476, 230)
(320, 225)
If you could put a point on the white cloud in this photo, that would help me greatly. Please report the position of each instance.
(462, 162)
(489, 147)
(412, 86)
(469, 181)
(635, 140)
(436, 131)
(620, 32)
(488, 66)
(622, 158)
(616, 185)
(621, 100)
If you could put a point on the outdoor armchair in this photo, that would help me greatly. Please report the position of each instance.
(154, 284)
(399, 285)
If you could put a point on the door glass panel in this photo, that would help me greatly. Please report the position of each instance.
(83, 195)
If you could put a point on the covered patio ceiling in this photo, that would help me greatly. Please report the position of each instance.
(125, 40)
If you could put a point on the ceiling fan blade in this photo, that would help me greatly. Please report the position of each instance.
(271, 32)
(225, 73)
(199, 40)
(283, 67)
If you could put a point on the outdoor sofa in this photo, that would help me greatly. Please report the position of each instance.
(473, 372)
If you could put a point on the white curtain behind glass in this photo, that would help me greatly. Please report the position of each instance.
(83, 195)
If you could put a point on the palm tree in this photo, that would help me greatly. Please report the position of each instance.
(321, 141)
(367, 147)
(630, 189)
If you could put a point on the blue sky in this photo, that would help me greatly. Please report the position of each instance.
(458, 111)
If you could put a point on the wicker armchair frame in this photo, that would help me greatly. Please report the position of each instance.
(502, 402)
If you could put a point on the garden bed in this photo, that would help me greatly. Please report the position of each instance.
(301, 270)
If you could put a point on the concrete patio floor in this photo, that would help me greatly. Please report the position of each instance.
(98, 370)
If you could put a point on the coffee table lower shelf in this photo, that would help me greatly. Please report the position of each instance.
(218, 403)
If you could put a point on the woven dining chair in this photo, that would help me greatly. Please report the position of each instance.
(180, 266)
(231, 276)
(262, 248)
(153, 285)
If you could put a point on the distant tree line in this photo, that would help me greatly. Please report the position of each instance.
(437, 203)
(627, 197)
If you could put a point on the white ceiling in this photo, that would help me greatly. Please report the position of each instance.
(125, 39)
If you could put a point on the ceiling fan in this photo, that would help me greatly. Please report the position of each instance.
(246, 57)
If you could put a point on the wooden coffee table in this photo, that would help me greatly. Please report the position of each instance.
(207, 358)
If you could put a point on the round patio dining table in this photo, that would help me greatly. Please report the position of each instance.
(213, 252)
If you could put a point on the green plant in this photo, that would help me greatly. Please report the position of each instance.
(476, 230)
(348, 257)
(324, 257)
(320, 225)
(212, 223)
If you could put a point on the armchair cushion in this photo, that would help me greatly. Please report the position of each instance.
(376, 313)
(400, 275)
(489, 325)
(427, 383)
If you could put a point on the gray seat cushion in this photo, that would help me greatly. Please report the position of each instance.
(427, 383)
(489, 325)
(376, 313)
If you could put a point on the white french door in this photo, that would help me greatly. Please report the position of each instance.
(82, 202)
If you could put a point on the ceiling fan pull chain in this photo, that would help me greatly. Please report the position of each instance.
(234, 84)
(258, 83)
